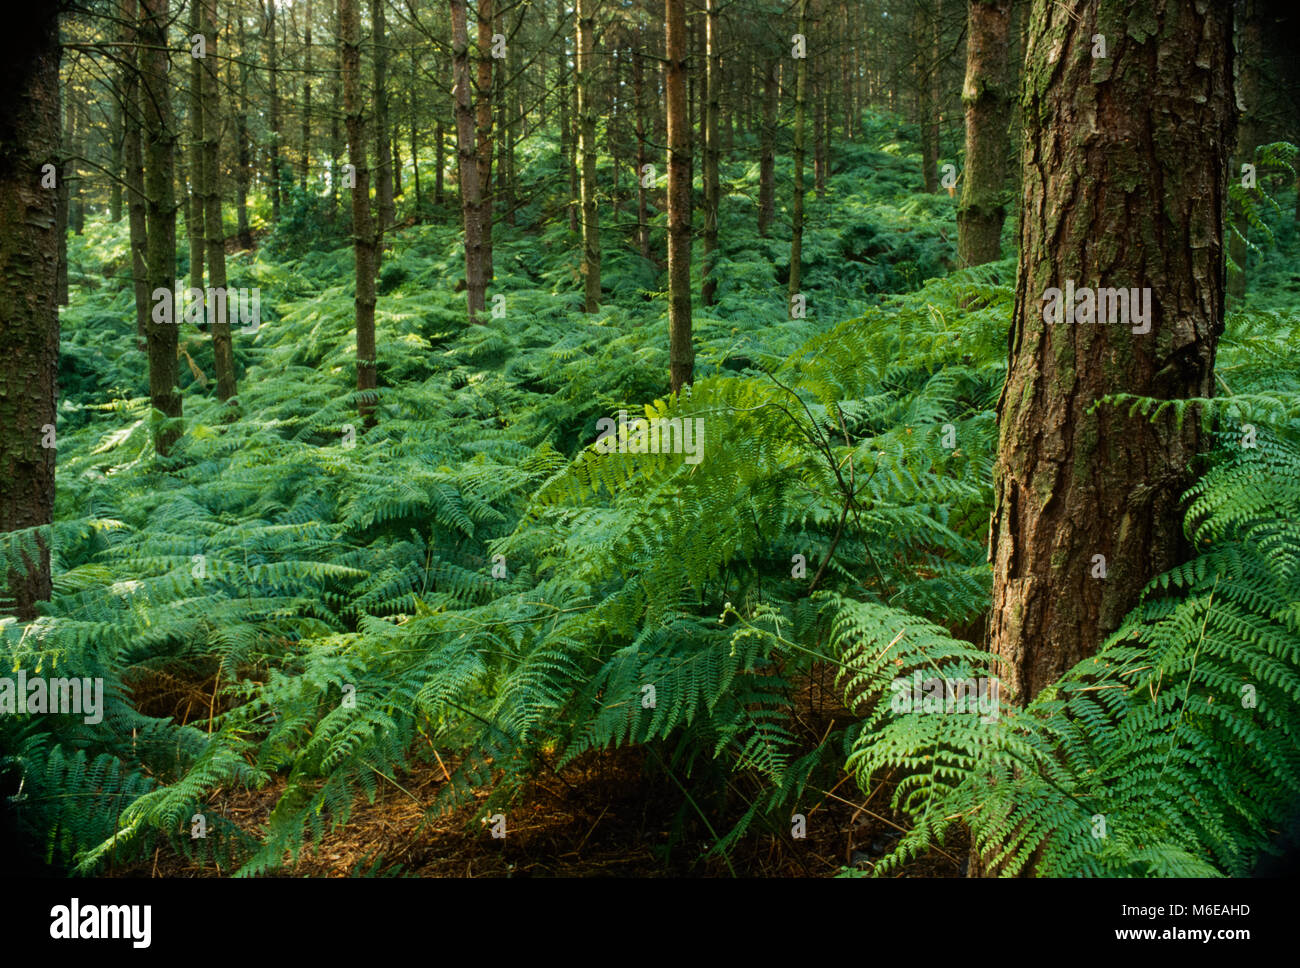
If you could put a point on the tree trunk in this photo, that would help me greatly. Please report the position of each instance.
(767, 152)
(194, 206)
(1248, 74)
(213, 229)
(796, 208)
(483, 136)
(273, 73)
(712, 106)
(587, 153)
(1072, 485)
(681, 354)
(160, 138)
(987, 95)
(363, 234)
(471, 198)
(923, 32)
(438, 171)
(383, 154)
(638, 88)
(243, 165)
(306, 98)
(29, 281)
(133, 160)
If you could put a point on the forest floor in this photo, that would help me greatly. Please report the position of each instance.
(610, 813)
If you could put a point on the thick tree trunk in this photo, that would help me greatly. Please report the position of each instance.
(681, 353)
(213, 230)
(160, 138)
(29, 280)
(363, 233)
(987, 96)
(1125, 175)
(712, 108)
(587, 153)
(796, 207)
(471, 198)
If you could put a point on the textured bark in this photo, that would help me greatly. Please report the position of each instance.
(363, 233)
(438, 174)
(160, 212)
(471, 198)
(133, 172)
(1125, 170)
(796, 207)
(383, 154)
(987, 98)
(213, 230)
(583, 79)
(767, 152)
(29, 273)
(712, 108)
(681, 353)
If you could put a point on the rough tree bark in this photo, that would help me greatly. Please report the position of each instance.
(484, 133)
(387, 213)
(29, 279)
(987, 96)
(767, 152)
(1125, 169)
(133, 174)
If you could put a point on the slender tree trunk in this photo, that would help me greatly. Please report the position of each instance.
(133, 152)
(243, 161)
(642, 208)
(587, 152)
(213, 230)
(767, 152)
(306, 98)
(115, 187)
(160, 153)
(194, 208)
(712, 107)
(1071, 483)
(336, 113)
(363, 233)
(273, 74)
(681, 353)
(923, 31)
(383, 155)
(1248, 81)
(471, 198)
(987, 96)
(484, 134)
(29, 282)
(796, 208)
(415, 156)
(438, 173)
